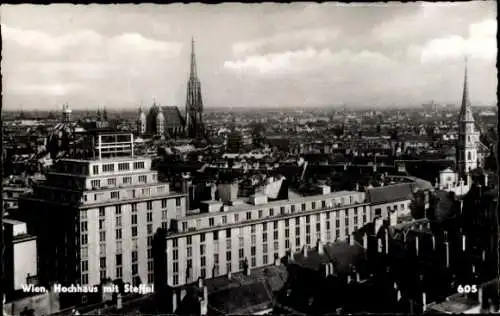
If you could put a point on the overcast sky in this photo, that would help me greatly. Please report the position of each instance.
(120, 56)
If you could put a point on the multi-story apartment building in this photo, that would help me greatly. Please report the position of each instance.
(95, 218)
(221, 239)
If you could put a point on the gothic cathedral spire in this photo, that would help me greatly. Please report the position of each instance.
(194, 101)
(468, 136)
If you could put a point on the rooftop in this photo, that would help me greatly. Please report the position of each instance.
(341, 253)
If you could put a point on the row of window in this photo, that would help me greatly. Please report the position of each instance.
(287, 221)
(127, 180)
(250, 215)
(122, 166)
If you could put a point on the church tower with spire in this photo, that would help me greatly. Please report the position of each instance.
(194, 102)
(468, 135)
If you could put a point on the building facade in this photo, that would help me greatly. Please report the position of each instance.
(95, 218)
(223, 239)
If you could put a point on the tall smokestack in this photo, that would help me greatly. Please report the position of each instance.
(447, 253)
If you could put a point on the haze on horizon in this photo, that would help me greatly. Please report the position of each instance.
(262, 55)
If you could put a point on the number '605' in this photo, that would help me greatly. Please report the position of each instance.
(467, 288)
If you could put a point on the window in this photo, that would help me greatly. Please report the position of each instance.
(164, 203)
(85, 266)
(189, 240)
(118, 234)
(149, 229)
(271, 212)
(260, 213)
(102, 263)
(102, 236)
(95, 169)
(149, 216)
(211, 221)
(134, 219)
(134, 269)
(134, 207)
(177, 202)
(189, 251)
(228, 233)
(134, 231)
(202, 237)
(303, 206)
(108, 167)
(175, 254)
(323, 204)
(85, 278)
(249, 215)
(236, 218)
(123, 166)
(95, 184)
(134, 256)
(118, 209)
(127, 180)
(282, 210)
(139, 165)
(119, 260)
(224, 219)
(84, 227)
(228, 255)
(149, 205)
(112, 181)
(119, 272)
(143, 179)
(101, 224)
(115, 195)
(119, 246)
(313, 205)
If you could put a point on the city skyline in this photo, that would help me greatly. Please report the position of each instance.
(119, 56)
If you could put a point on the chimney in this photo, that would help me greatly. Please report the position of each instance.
(464, 243)
(304, 251)
(480, 298)
(416, 244)
(319, 247)
(205, 293)
(447, 253)
(246, 268)
(119, 302)
(351, 240)
(183, 294)
(365, 241)
(386, 241)
(424, 301)
(277, 262)
(380, 245)
(174, 302)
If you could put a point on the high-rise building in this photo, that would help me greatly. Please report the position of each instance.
(194, 101)
(95, 218)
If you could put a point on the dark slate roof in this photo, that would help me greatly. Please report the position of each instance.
(172, 115)
(245, 299)
(341, 253)
(390, 193)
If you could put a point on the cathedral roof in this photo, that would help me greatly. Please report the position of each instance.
(172, 116)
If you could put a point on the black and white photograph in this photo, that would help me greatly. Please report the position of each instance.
(249, 159)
